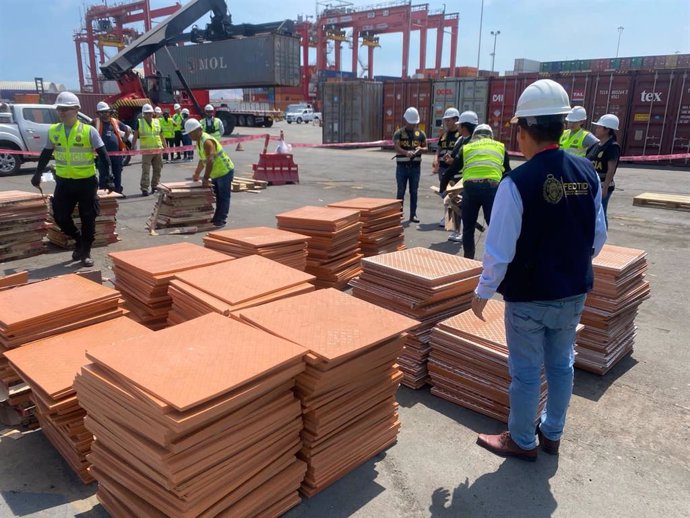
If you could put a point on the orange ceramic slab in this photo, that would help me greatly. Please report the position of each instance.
(258, 236)
(167, 259)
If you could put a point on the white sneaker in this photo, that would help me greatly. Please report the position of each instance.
(455, 237)
(442, 223)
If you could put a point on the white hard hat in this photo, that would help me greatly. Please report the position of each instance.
(185, 111)
(450, 113)
(208, 108)
(543, 97)
(608, 121)
(469, 117)
(67, 100)
(102, 107)
(483, 130)
(191, 125)
(411, 115)
(158, 110)
(147, 108)
(176, 106)
(577, 114)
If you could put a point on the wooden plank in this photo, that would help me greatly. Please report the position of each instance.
(663, 201)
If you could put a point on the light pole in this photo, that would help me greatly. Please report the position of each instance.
(493, 54)
(479, 47)
(620, 32)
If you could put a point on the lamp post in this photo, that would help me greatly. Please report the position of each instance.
(620, 32)
(479, 47)
(493, 54)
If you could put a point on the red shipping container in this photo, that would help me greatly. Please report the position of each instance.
(659, 62)
(648, 63)
(610, 93)
(400, 95)
(577, 86)
(599, 65)
(625, 64)
(678, 125)
(683, 61)
(504, 93)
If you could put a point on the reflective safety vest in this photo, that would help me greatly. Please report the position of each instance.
(222, 164)
(168, 127)
(212, 127)
(150, 134)
(74, 156)
(483, 159)
(177, 121)
(573, 142)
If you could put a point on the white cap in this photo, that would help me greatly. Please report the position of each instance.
(176, 106)
(450, 113)
(543, 97)
(483, 130)
(158, 110)
(208, 108)
(185, 111)
(190, 125)
(102, 107)
(608, 121)
(67, 100)
(577, 114)
(469, 117)
(147, 108)
(411, 115)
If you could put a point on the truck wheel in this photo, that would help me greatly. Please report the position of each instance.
(241, 120)
(251, 121)
(299, 120)
(9, 164)
(229, 122)
(268, 122)
(289, 122)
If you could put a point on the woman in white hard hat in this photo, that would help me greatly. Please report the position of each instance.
(576, 140)
(409, 143)
(605, 155)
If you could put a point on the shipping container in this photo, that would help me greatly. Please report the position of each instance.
(352, 111)
(636, 63)
(266, 60)
(684, 61)
(400, 95)
(659, 62)
(461, 93)
(610, 93)
(504, 93)
(524, 65)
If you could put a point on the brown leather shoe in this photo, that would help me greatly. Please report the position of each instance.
(504, 446)
(549, 446)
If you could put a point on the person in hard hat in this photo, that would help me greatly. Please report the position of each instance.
(467, 122)
(547, 225)
(158, 112)
(73, 144)
(178, 122)
(168, 129)
(446, 142)
(482, 162)
(186, 139)
(409, 143)
(151, 135)
(114, 135)
(576, 140)
(604, 155)
(217, 167)
(212, 125)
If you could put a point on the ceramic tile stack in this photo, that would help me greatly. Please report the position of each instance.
(185, 205)
(143, 276)
(424, 284)
(106, 232)
(198, 420)
(611, 308)
(381, 219)
(226, 287)
(22, 224)
(34, 311)
(348, 388)
(48, 367)
(334, 253)
(282, 246)
(468, 363)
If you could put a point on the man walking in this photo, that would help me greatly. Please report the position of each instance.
(151, 136)
(409, 143)
(114, 135)
(547, 226)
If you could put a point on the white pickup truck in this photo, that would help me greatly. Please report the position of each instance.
(302, 115)
(24, 127)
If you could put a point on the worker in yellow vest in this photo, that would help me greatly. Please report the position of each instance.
(151, 135)
(178, 124)
(576, 140)
(217, 167)
(212, 125)
(73, 144)
(168, 129)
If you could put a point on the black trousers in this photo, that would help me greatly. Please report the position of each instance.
(475, 195)
(178, 143)
(82, 193)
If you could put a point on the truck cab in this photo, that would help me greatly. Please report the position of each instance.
(300, 115)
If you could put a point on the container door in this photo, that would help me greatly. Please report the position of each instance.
(679, 126)
(503, 95)
(611, 93)
(446, 93)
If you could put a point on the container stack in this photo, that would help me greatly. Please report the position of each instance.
(423, 284)
(143, 276)
(226, 287)
(333, 251)
(185, 205)
(282, 246)
(196, 420)
(48, 367)
(348, 388)
(611, 308)
(22, 224)
(381, 219)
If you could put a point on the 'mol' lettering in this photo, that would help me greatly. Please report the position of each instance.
(650, 96)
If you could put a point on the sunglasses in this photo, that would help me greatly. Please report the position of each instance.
(64, 109)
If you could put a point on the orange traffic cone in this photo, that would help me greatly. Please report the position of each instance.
(239, 147)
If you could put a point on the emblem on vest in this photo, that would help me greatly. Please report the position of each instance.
(553, 190)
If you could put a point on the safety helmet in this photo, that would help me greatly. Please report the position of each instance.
(185, 111)
(102, 107)
(608, 121)
(469, 117)
(176, 106)
(577, 114)
(158, 110)
(543, 97)
(411, 115)
(67, 100)
(147, 108)
(208, 108)
(483, 130)
(190, 125)
(450, 113)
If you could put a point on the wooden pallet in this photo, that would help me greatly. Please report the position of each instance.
(663, 201)
(247, 184)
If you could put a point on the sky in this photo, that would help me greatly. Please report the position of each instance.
(40, 43)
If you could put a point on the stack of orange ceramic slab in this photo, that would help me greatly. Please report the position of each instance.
(334, 253)
(106, 221)
(611, 307)
(184, 205)
(348, 388)
(49, 366)
(381, 219)
(198, 420)
(42, 309)
(468, 364)
(226, 287)
(280, 245)
(424, 284)
(143, 276)
(22, 224)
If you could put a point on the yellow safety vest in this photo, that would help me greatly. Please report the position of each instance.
(150, 134)
(215, 124)
(222, 164)
(168, 127)
(74, 156)
(573, 142)
(177, 121)
(483, 159)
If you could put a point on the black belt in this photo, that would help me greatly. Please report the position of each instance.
(482, 180)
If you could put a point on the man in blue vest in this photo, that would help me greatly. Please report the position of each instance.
(547, 225)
